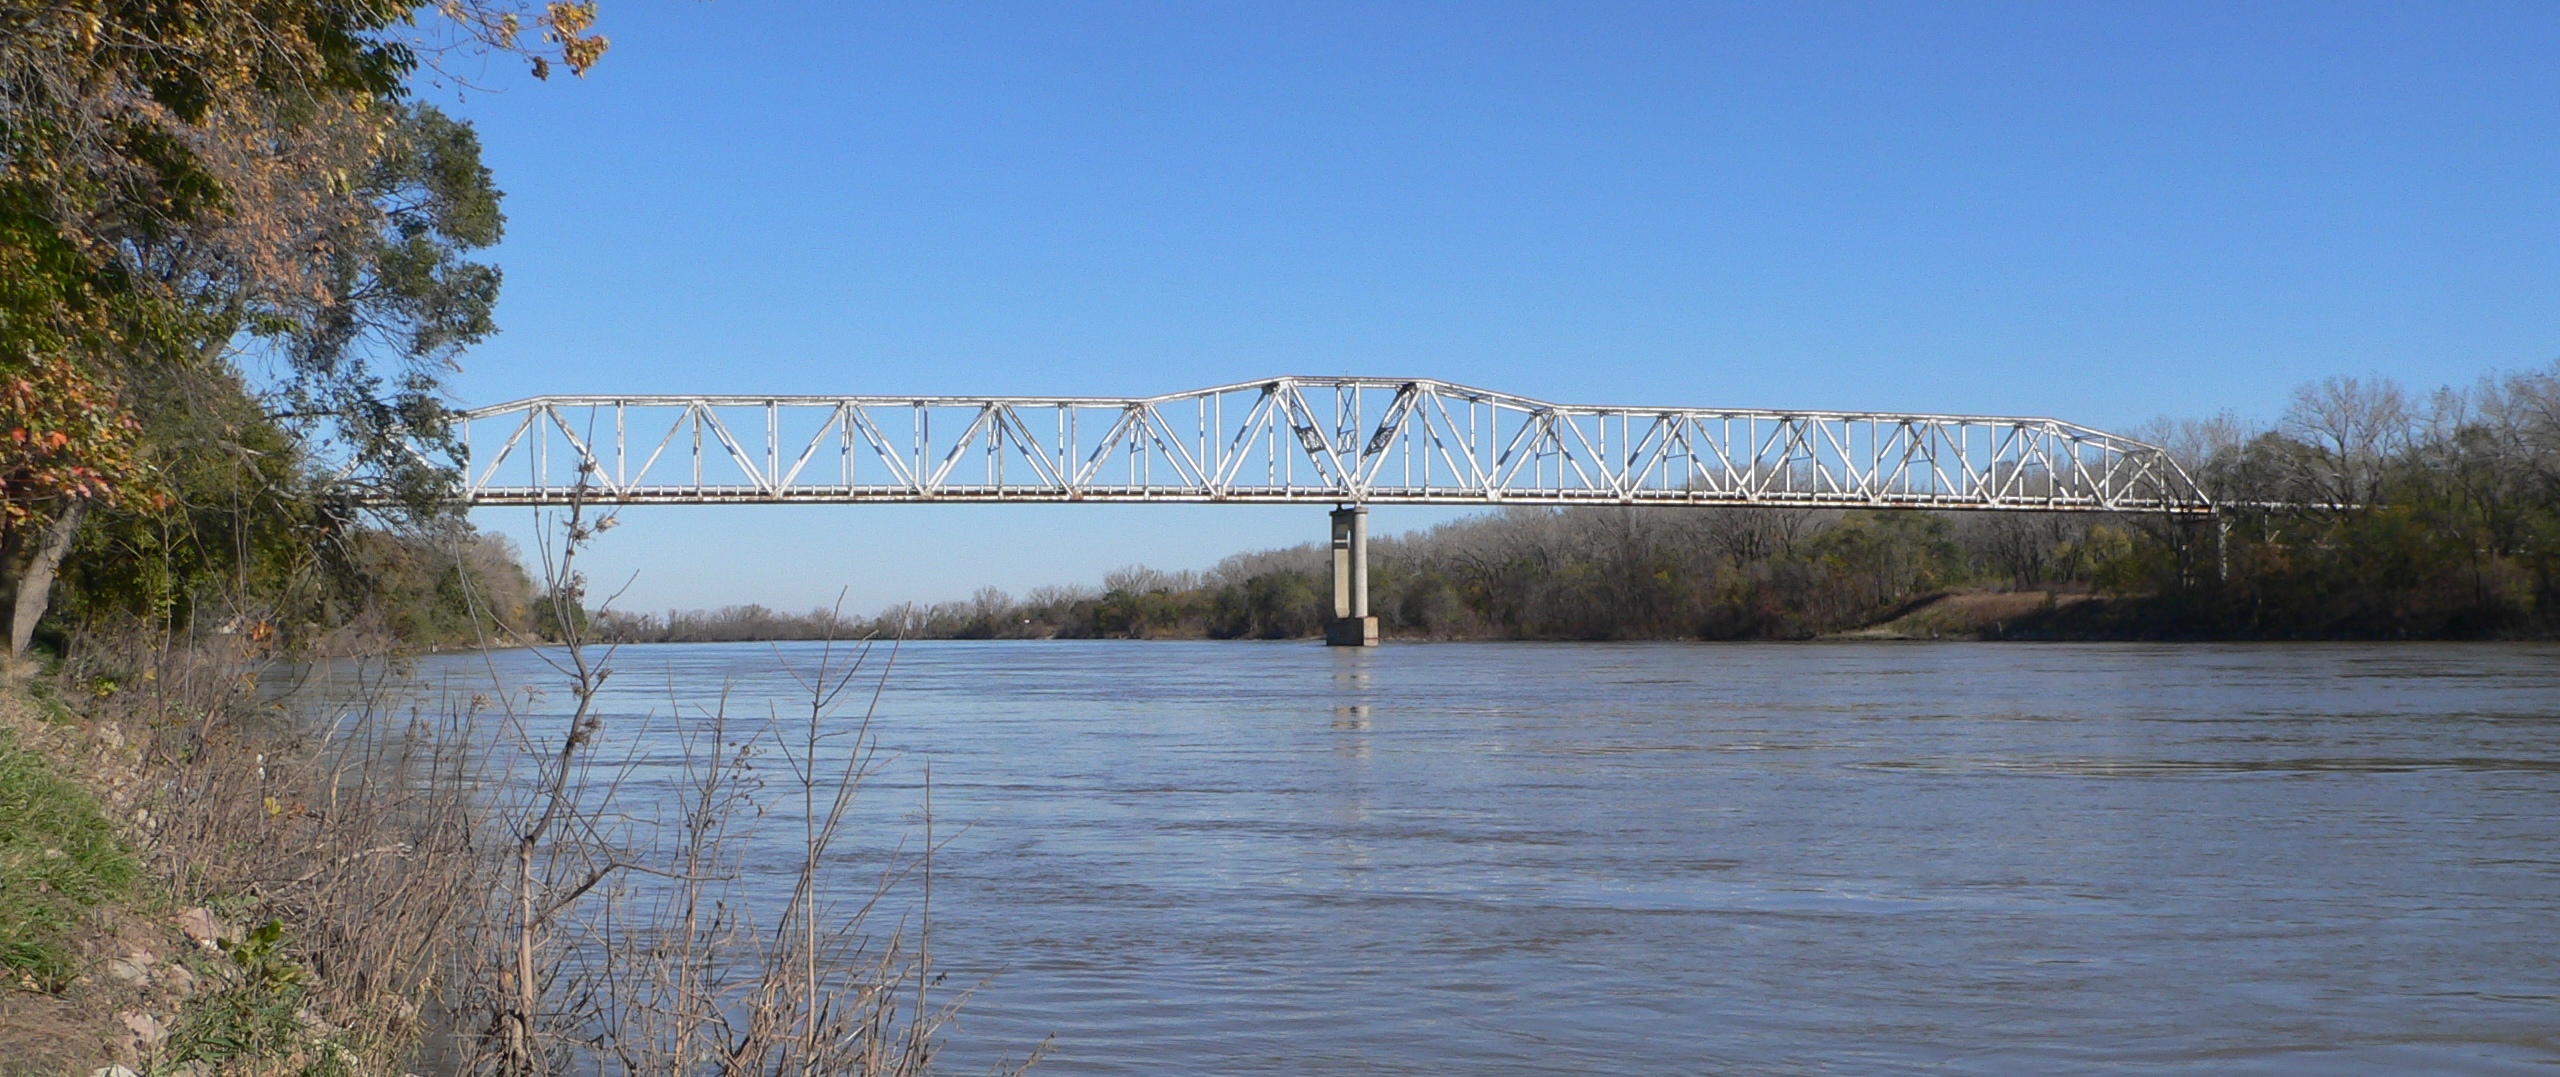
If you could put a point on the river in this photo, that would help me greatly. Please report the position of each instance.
(1276, 858)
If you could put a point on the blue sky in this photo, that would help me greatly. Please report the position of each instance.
(2101, 212)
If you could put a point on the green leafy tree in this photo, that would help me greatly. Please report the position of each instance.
(180, 180)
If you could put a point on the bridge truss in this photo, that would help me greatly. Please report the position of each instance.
(1337, 440)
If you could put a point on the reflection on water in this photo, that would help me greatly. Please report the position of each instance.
(1657, 859)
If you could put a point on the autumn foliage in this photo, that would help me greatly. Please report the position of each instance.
(67, 439)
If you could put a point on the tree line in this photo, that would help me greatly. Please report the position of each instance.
(2365, 511)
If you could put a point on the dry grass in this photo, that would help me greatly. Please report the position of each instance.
(359, 840)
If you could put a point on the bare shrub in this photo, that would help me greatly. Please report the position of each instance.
(629, 939)
(465, 876)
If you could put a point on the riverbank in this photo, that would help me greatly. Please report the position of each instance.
(2047, 617)
(200, 876)
(186, 889)
(66, 875)
(1960, 615)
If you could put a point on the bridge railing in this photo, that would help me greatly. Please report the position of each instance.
(1297, 439)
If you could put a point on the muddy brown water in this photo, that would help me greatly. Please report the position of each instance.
(1246, 858)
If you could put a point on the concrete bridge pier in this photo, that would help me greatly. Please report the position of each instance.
(1351, 625)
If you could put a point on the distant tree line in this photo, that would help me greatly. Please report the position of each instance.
(2370, 511)
(2365, 512)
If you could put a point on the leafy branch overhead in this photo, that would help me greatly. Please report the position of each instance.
(564, 32)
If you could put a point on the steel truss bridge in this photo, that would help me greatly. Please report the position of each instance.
(1327, 440)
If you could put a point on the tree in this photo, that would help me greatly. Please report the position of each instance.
(396, 301)
(177, 180)
(2346, 431)
(66, 447)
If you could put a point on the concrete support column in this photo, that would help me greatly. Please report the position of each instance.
(1352, 626)
(1342, 562)
(1360, 562)
(2221, 546)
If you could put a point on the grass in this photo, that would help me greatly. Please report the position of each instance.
(59, 857)
(258, 1017)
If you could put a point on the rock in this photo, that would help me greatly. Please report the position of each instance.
(201, 925)
(178, 977)
(113, 1071)
(145, 1027)
(133, 969)
(314, 1026)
